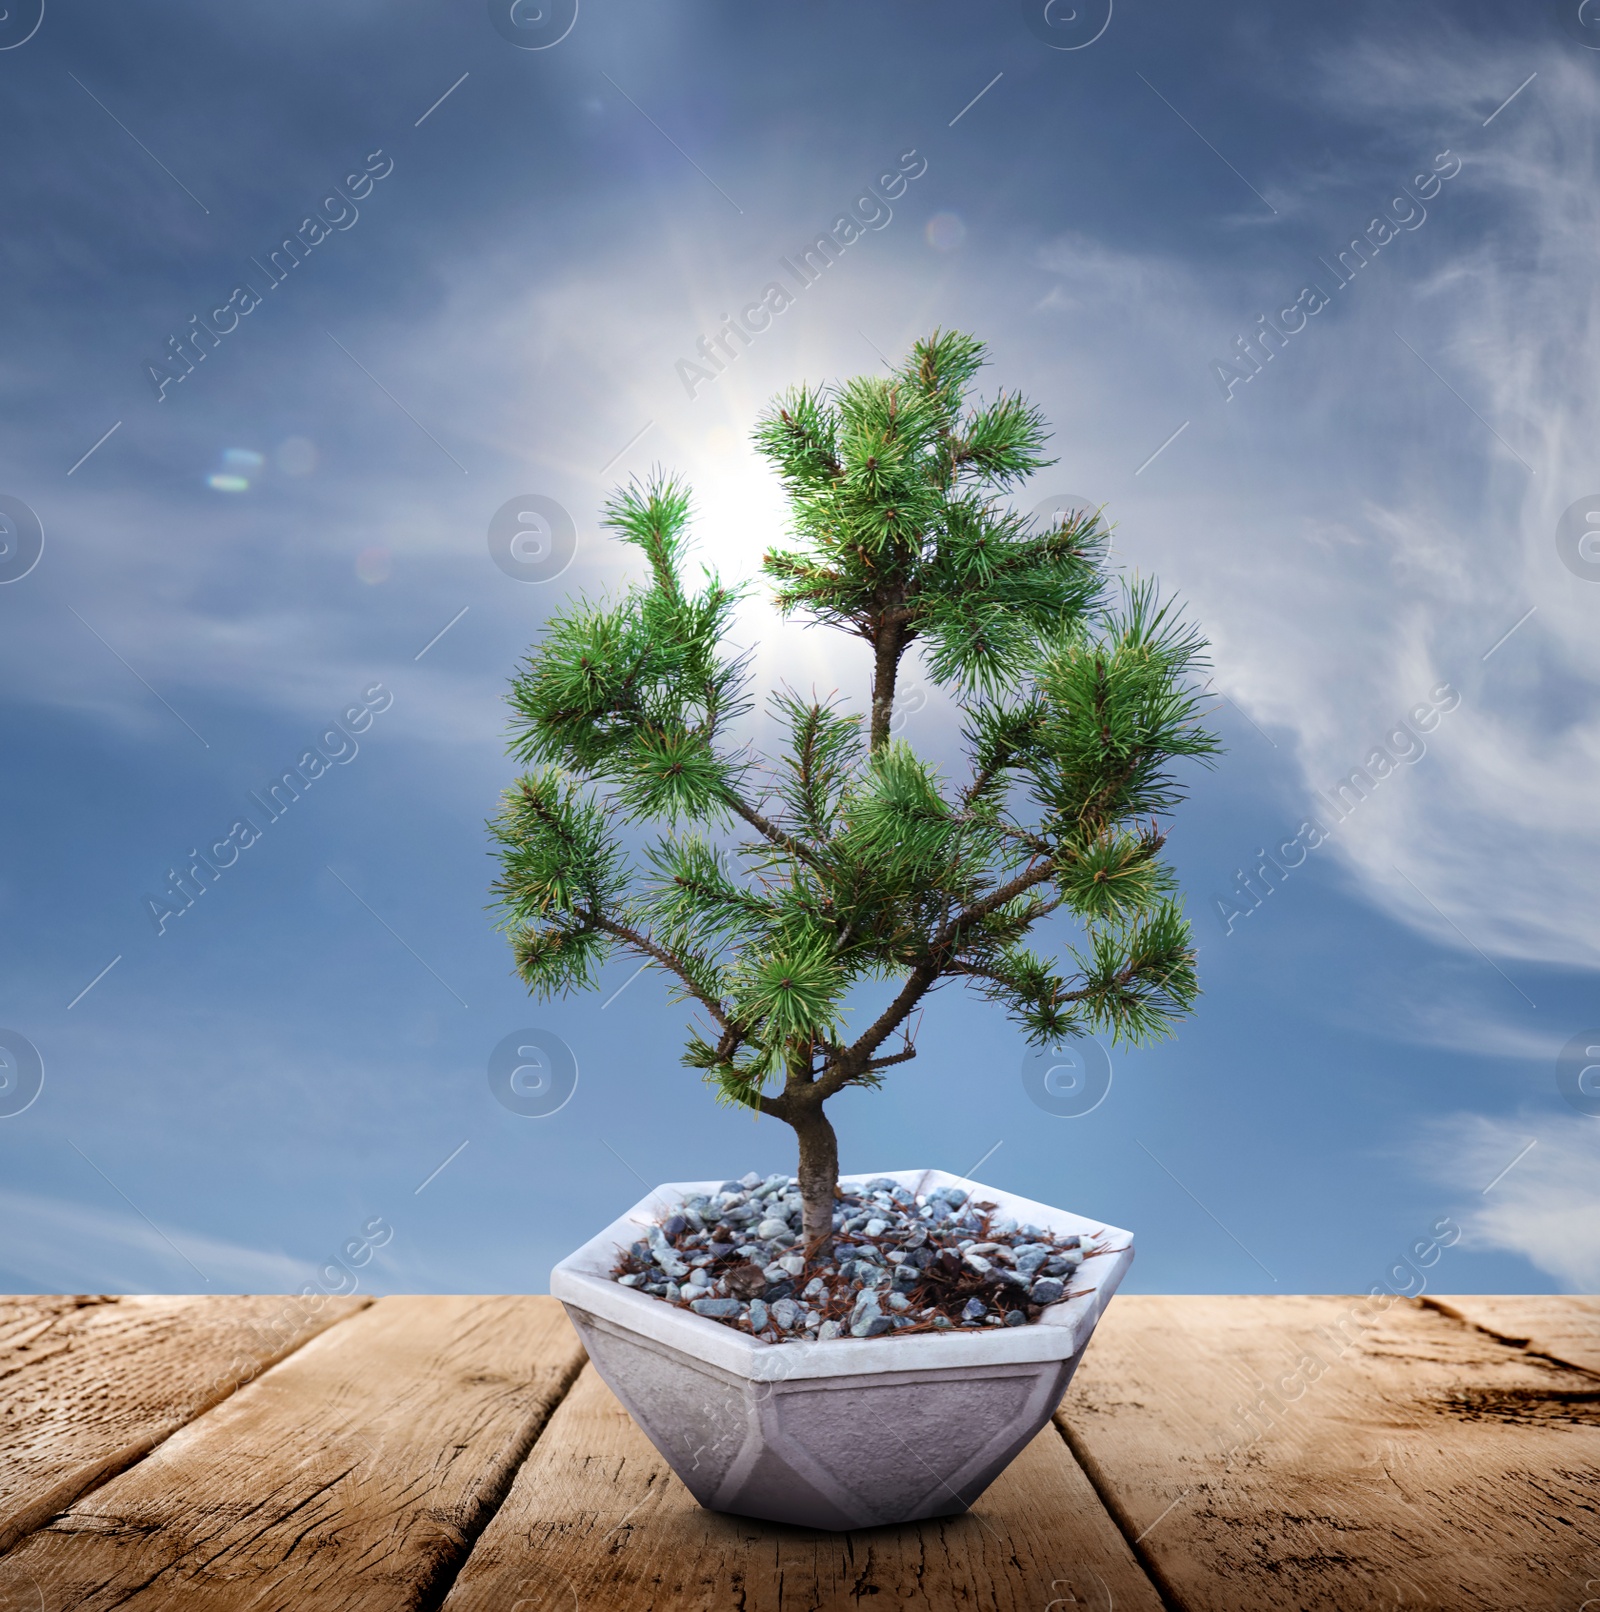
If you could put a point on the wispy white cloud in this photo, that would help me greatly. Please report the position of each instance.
(1351, 536)
(67, 1246)
(1344, 529)
(1454, 1018)
(1546, 1207)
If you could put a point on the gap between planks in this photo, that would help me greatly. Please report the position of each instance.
(1165, 1590)
(357, 1474)
(596, 1518)
(1490, 1314)
(90, 1386)
(1407, 1447)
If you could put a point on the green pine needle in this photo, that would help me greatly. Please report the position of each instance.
(770, 892)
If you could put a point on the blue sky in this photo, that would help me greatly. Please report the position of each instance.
(501, 298)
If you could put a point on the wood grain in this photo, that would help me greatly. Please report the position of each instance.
(596, 1519)
(1564, 1327)
(1321, 1453)
(89, 1385)
(354, 1475)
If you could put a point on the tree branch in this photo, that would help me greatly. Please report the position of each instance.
(918, 982)
(632, 937)
(770, 830)
(1026, 880)
(897, 1057)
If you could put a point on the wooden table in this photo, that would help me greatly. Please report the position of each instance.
(1224, 1454)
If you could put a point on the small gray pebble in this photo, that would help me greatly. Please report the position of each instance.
(1016, 1318)
(758, 1316)
(973, 1309)
(717, 1309)
(1047, 1290)
(828, 1329)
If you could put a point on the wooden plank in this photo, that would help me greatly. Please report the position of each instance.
(89, 1385)
(1564, 1326)
(353, 1476)
(1326, 1453)
(597, 1519)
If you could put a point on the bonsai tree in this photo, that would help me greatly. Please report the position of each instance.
(770, 890)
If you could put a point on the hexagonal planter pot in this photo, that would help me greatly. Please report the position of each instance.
(847, 1433)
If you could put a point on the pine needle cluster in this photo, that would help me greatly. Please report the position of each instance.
(769, 888)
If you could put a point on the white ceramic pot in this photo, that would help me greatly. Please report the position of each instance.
(847, 1433)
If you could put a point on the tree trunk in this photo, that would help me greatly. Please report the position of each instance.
(819, 1176)
(886, 665)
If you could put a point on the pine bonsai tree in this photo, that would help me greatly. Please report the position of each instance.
(770, 889)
